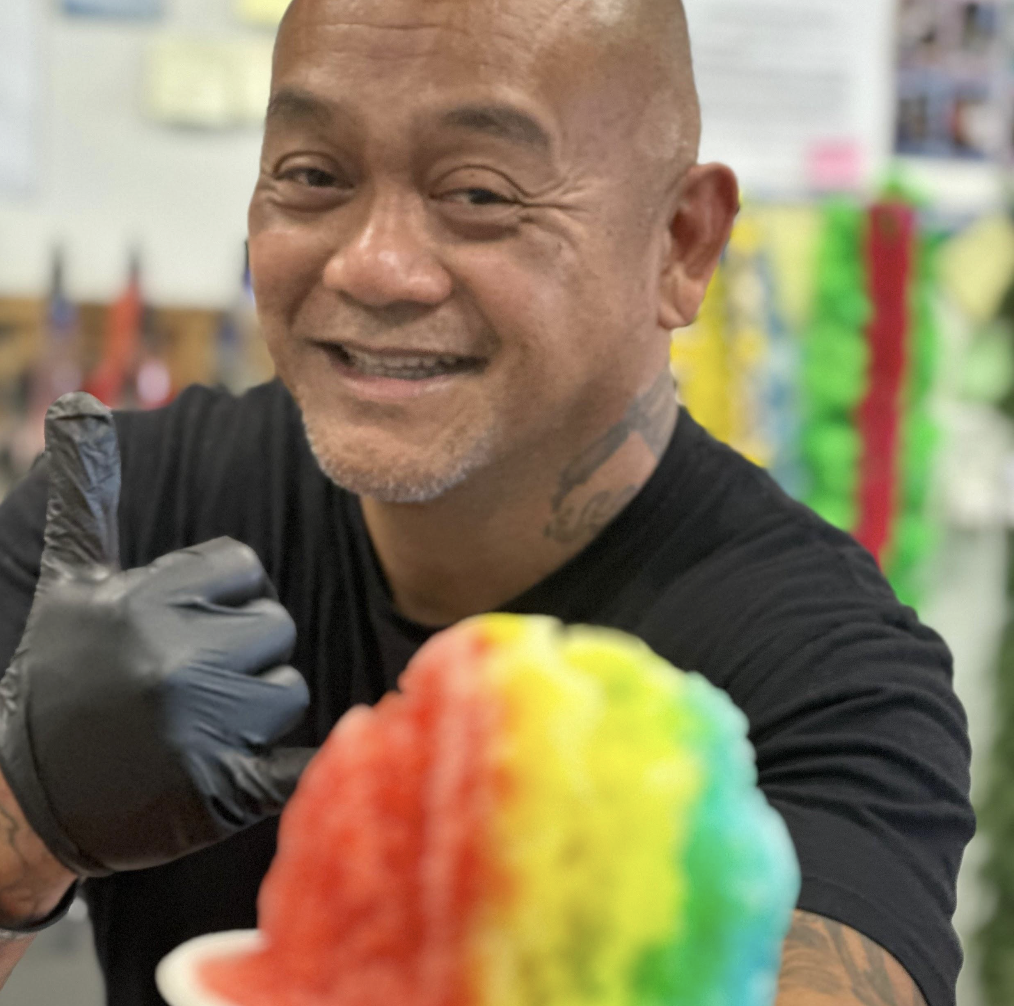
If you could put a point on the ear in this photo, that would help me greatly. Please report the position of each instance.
(706, 205)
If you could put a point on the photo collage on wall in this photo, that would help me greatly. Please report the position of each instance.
(955, 79)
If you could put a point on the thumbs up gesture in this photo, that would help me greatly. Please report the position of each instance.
(140, 716)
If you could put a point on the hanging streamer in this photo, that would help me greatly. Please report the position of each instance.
(889, 249)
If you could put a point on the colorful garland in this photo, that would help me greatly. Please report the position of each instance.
(834, 365)
(916, 533)
(730, 365)
(869, 361)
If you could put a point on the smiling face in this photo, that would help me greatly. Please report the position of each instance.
(461, 240)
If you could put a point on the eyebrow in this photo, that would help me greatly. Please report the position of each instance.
(497, 120)
(500, 121)
(293, 105)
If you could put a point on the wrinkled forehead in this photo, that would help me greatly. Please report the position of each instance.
(490, 39)
(597, 74)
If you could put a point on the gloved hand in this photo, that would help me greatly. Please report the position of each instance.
(140, 714)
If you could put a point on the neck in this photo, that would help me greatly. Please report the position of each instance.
(481, 545)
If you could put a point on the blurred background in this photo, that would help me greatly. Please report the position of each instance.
(858, 340)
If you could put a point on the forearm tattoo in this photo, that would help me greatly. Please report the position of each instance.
(825, 958)
(31, 881)
(15, 892)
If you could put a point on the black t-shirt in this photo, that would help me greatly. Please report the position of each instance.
(861, 743)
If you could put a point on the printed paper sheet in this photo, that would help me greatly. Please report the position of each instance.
(795, 93)
(20, 87)
(261, 12)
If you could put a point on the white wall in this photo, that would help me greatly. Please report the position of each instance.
(109, 179)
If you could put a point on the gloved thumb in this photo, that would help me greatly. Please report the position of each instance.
(84, 489)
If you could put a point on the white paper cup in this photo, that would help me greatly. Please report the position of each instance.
(177, 978)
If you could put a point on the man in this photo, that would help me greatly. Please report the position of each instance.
(476, 224)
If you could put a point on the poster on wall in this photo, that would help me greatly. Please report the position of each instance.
(954, 78)
(794, 93)
(265, 13)
(113, 8)
(20, 87)
(204, 83)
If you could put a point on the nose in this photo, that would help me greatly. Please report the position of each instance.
(387, 260)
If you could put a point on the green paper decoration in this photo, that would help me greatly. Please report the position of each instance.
(835, 359)
(916, 535)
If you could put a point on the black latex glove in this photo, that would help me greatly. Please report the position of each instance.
(139, 715)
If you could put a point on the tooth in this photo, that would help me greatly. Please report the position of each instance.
(406, 367)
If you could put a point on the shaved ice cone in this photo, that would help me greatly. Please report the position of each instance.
(540, 816)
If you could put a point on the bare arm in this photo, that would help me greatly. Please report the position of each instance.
(827, 964)
(32, 882)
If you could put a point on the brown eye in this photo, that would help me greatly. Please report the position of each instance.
(480, 197)
(313, 178)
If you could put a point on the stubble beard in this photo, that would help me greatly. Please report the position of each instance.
(388, 482)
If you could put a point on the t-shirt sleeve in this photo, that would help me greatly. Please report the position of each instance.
(22, 525)
(862, 746)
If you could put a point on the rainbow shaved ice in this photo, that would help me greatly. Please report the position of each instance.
(540, 817)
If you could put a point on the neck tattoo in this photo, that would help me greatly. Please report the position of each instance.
(649, 415)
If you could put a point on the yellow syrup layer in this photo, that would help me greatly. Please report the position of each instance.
(594, 818)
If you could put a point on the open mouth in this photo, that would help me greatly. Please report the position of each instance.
(403, 366)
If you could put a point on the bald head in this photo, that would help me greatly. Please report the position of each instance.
(652, 36)
(641, 47)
